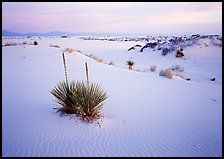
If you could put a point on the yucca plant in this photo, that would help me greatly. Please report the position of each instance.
(130, 64)
(80, 98)
(63, 93)
(89, 98)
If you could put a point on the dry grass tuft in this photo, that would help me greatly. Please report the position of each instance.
(69, 50)
(167, 73)
(153, 68)
(99, 60)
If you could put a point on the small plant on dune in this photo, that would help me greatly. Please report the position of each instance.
(130, 64)
(35, 43)
(162, 73)
(153, 68)
(99, 60)
(89, 98)
(63, 93)
(85, 100)
(167, 73)
(69, 50)
(180, 53)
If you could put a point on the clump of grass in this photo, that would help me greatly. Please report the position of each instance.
(9, 44)
(100, 60)
(130, 64)
(167, 73)
(85, 100)
(69, 50)
(153, 68)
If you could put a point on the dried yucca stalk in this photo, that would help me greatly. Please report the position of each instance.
(66, 76)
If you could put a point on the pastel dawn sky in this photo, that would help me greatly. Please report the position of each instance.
(113, 17)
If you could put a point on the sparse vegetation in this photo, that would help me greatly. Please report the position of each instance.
(85, 100)
(69, 50)
(14, 44)
(167, 73)
(180, 53)
(100, 60)
(35, 43)
(162, 73)
(9, 44)
(63, 93)
(153, 68)
(130, 64)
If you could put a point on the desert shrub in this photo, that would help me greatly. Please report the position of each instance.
(9, 44)
(180, 53)
(99, 59)
(130, 64)
(35, 43)
(167, 73)
(153, 68)
(85, 100)
(69, 50)
(162, 73)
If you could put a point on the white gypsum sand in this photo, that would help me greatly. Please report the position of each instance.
(144, 115)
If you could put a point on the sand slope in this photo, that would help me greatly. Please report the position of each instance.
(145, 114)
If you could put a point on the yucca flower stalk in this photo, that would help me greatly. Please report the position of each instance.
(87, 75)
(66, 75)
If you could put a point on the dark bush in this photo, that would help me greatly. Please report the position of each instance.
(35, 43)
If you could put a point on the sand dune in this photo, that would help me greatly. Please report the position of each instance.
(144, 115)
